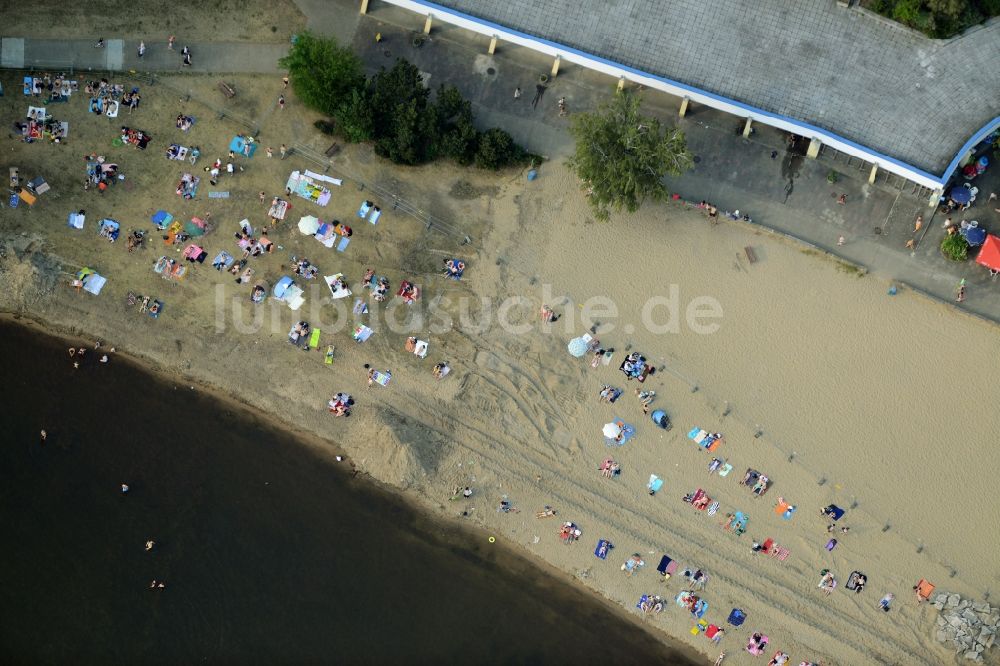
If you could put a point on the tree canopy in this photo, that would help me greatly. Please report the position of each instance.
(622, 156)
(322, 73)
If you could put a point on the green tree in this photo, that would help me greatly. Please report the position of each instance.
(404, 123)
(622, 156)
(458, 137)
(322, 73)
(355, 118)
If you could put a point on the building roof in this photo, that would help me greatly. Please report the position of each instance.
(850, 72)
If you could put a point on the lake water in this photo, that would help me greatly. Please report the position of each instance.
(269, 553)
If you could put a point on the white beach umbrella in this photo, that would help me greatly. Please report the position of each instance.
(612, 430)
(309, 225)
(577, 347)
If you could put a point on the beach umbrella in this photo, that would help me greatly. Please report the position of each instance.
(577, 347)
(989, 256)
(612, 430)
(309, 225)
(960, 195)
(975, 235)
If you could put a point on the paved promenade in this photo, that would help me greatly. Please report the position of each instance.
(118, 55)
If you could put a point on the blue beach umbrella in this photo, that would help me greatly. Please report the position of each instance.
(960, 195)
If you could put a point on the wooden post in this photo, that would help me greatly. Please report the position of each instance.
(747, 128)
(873, 174)
(684, 107)
(555, 67)
(493, 45)
(427, 25)
(814, 147)
(621, 84)
(364, 6)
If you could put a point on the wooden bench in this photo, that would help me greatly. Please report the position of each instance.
(227, 90)
(332, 150)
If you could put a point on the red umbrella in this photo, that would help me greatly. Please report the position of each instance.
(989, 256)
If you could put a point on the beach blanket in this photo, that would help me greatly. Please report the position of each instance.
(413, 294)
(323, 178)
(278, 209)
(834, 512)
(603, 548)
(218, 195)
(76, 220)
(342, 245)
(337, 287)
(654, 485)
(738, 523)
(188, 186)
(382, 378)
(365, 207)
(177, 152)
(92, 281)
(195, 253)
(725, 470)
(29, 86)
(362, 333)
(308, 188)
(242, 145)
(112, 109)
(222, 260)
(314, 339)
(780, 552)
(736, 617)
(667, 566)
(37, 113)
(758, 647)
(96, 105)
(376, 213)
(155, 308)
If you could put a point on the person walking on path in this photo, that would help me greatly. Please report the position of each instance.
(142, 49)
(840, 241)
(842, 199)
(281, 102)
(960, 296)
(284, 83)
(283, 150)
(269, 151)
(170, 43)
(918, 223)
(517, 93)
(378, 37)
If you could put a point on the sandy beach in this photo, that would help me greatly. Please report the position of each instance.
(816, 376)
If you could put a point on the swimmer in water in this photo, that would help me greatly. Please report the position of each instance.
(150, 544)
(44, 435)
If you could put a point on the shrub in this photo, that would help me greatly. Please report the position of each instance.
(497, 150)
(955, 247)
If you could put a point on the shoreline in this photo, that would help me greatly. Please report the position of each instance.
(436, 527)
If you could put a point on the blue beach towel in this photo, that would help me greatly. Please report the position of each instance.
(655, 483)
(377, 213)
(365, 207)
(737, 617)
(342, 245)
(218, 195)
(603, 548)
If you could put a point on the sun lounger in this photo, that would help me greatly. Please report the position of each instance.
(603, 548)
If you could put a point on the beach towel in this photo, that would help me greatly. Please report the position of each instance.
(711, 630)
(76, 220)
(780, 552)
(421, 348)
(96, 105)
(29, 85)
(329, 355)
(377, 213)
(834, 512)
(162, 218)
(342, 245)
(382, 378)
(362, 333)
(314, 339)
(37, 113)
(218, 195)
(924, 589)
(737, 617)
(655, 483)
(738, 523)
(757, 648)
(365, 207)
(360, 307)
(603, 548)
(789, 512)
(93, 283)
(667, 566)
(278, 209)
(642, 600)
(700, 608)
(854, 579)
(713, 508)
(155, 308)
(112, 110)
